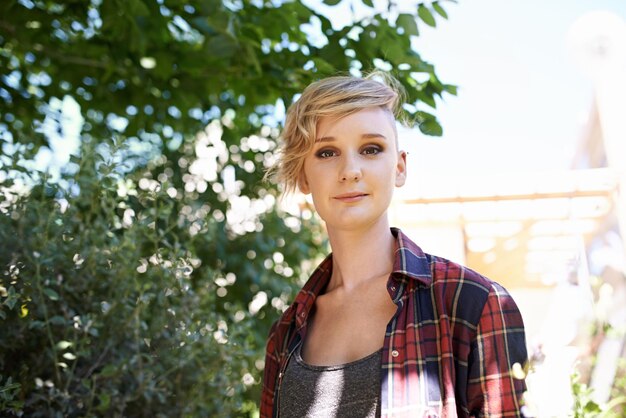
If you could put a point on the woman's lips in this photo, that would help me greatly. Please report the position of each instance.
(351, 197)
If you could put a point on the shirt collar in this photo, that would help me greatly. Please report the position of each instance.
(410, 260)
(410, 263)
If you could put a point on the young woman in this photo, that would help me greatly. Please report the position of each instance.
(381, 328)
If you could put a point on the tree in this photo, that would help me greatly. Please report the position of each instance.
(142, 278)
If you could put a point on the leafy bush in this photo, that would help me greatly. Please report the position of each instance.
(115, 301)
(112, 305)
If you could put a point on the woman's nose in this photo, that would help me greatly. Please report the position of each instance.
(351, 170)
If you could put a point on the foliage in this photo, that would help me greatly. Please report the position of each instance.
(600, 329)
(142, 277)
(114, 307)
(618, 395)
(585, 407)
(8, 394)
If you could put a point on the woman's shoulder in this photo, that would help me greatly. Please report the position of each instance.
(433, 270)
(447, 271)
(465, 291)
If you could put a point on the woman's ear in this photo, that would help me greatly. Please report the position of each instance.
(401, 169)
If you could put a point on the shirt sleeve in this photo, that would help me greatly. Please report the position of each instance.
(493, 390)
(270, 373)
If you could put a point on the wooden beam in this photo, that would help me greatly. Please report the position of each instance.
(606, 193)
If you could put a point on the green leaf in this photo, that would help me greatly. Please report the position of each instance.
(428, 124)
(421, 116)
(440, 10)
(9, 385)
(52, 294)
(393, 51)
(592, 407)
(323, 67)
(431, 127)
(109, 370)
(138, 8)
(426, 98)
(221, 46)
(408, 23)
(12, 298)
(450, 88)
(57, 320)
(332, 2)
(105, 402)
(36, 324)
(426, 15)
(202, 24)
(369, 3)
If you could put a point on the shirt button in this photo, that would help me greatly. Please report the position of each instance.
(395, 353)
(393, 288)
(302, 314)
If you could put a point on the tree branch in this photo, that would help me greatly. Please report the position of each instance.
(75, 60)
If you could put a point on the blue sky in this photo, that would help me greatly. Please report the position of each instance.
(522, 102)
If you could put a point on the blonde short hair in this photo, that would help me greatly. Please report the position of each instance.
(337, 96)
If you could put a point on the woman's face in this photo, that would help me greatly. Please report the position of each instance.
(353, 168)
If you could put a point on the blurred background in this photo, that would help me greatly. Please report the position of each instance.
(144, 257)
(524, 185)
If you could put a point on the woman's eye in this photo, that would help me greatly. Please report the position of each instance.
(325, 153)
(372, 150)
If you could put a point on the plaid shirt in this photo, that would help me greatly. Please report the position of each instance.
(448, 351)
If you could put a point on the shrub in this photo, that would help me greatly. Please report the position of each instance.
(117, 301)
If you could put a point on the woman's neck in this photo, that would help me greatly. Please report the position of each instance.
(360, 255)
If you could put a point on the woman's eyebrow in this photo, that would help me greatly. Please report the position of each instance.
(373, 135)
(326, 139)
(368, 135)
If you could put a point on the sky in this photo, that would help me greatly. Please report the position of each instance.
(523, 101)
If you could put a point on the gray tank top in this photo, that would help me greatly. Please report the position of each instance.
(345, 390)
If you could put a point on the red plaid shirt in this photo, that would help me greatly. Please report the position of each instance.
(448, 351)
